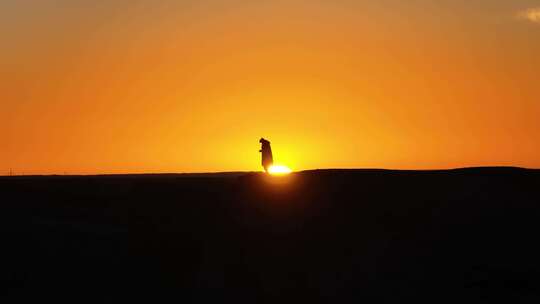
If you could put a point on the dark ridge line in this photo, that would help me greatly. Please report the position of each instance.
(464, 169)
(482, 169)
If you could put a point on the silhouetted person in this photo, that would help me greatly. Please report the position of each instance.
(266, 156)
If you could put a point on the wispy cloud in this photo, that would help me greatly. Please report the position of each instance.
(531, 14)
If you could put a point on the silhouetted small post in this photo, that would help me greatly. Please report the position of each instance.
(10, 172)
(266, 154)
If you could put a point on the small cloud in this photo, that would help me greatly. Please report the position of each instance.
(531, 14)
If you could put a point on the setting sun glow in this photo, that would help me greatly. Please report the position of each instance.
(279, 170)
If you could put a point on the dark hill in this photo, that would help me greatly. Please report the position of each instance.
(465, 235)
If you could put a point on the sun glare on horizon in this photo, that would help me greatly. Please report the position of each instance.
(279, 170)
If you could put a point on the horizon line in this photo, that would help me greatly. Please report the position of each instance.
(254, 172)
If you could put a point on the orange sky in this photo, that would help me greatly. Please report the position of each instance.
(191, 86)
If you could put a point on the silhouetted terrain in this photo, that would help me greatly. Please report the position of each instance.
(467, 235)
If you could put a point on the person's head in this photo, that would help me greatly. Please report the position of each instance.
(262, 140)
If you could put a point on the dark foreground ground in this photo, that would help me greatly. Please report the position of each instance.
(468, 235)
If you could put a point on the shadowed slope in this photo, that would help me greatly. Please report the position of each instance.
(326, 235)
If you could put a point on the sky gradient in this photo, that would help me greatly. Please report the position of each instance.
(190, 86)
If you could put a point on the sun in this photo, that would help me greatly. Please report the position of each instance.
(279, 170)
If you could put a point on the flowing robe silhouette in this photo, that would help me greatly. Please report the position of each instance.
(266, 154)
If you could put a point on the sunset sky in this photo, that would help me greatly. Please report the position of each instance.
(132, 86)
